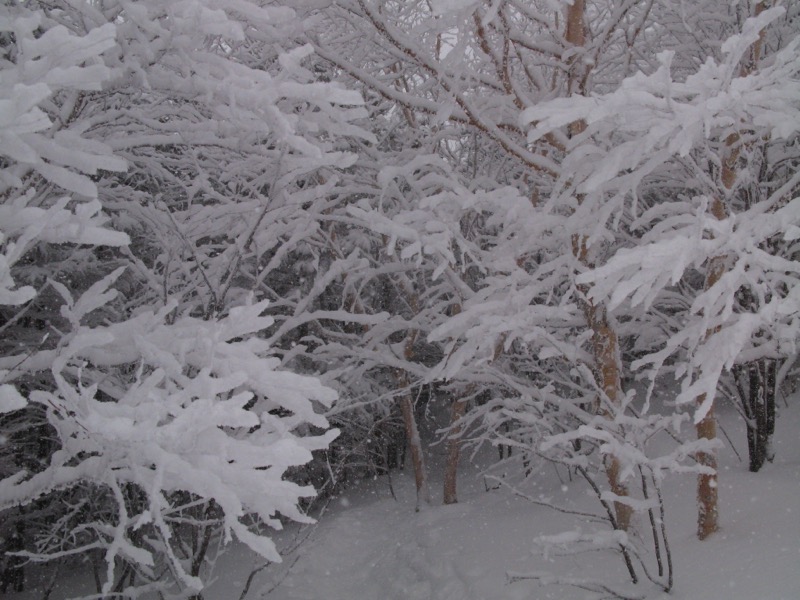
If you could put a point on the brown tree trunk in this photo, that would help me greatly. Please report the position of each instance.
(605, 344)
(707, 488)
(706, 428)
(707, 485)
(411, 429)
(457, 411)
(453, 451)
(415, 445)
(607, 363)
(707, 498)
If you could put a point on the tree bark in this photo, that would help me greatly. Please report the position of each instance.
(415, 444)
(757, 386)
(607, 363)
(706, 428)
(453, 451)
(707, 497)
(412, 431)
(605, 344)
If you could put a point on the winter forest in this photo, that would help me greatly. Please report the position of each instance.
(399, 299)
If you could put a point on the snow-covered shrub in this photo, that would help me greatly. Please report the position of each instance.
(175, 411)
(142, 423)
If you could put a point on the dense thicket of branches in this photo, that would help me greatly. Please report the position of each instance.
(570, 226)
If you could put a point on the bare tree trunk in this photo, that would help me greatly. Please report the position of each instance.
(604, 340)
(707, 485)
(707, 497)
(412, 431)
(756, 383)
(607, 361)
(706, 428)
(457, 410)
(415, 444)
(771, 385)
(453, 451)
(407, 408)
(605, 350)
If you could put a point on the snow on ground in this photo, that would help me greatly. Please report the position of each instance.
(369, 546)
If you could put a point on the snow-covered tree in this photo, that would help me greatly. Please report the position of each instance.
(164, 166)
(534, 205)
(561, 97)
(707, 124)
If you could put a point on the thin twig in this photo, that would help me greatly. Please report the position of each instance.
(567, 511)
(725, 433)
(656, 542)
(664, 534)
(612, 518)
(589, 586)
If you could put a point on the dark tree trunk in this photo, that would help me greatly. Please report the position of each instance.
(756, 383)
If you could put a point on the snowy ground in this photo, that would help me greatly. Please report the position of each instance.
(369, 546)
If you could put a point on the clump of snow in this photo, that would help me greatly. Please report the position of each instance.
(10, 398)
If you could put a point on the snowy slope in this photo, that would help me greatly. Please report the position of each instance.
(373, 547)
